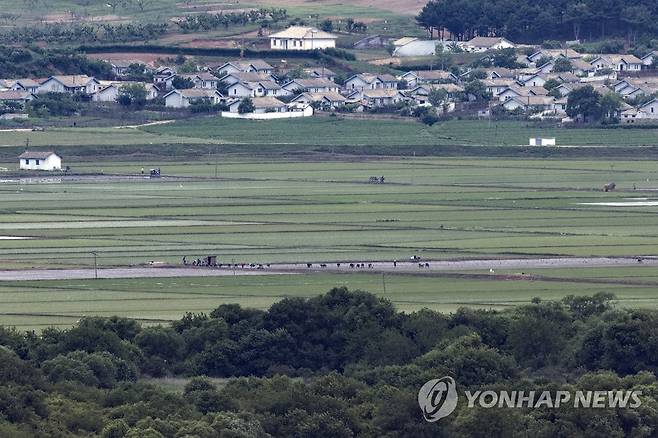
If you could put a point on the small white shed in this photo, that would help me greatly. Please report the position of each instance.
(33, 160)
(542, 141)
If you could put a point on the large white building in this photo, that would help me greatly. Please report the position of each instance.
(35, 160)
(302, 38)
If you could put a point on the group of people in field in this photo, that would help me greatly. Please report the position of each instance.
(211, 262)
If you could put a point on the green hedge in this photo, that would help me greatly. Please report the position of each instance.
(198, 51)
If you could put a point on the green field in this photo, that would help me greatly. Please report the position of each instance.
(406, 137)
(338, 131)
(37, 304)
(275, 211)
(302, 210)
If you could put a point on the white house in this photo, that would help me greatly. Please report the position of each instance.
(319, 85)
(34, 160)
(497, 85)
(554, 54)
(184, 98)
(302, 38)
(378, 97)
(617, 63)
(368, 81)
(72, 84)
(533, 81)
(16, 96)
(419, 77)
(647, 113)
(546, 68)
(648, 59)
(533, 103)
(163, 77)
(320, 72)
(109, 90)
(245, 66)
(501, 72)
(326, 101)
(255, 89)
(521, 92)
(202, 80)
(20, 85)
(482, 44)
(420, 94)
(233, 78)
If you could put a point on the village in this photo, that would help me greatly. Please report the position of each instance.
(509, 80)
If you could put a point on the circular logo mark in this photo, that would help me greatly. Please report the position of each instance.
(438, 398)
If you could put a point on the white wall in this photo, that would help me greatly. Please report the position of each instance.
(308, 111)
(301, 44)
(53, 162)
(175, 100)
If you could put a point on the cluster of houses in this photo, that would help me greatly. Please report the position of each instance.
(275, 90)
(524, 89)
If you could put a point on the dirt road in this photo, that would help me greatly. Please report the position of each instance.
(406, 267)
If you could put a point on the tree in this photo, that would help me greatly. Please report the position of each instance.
(246, 106)
(537, 334)
(637, 18)
(115, 429)
(327, 25)
(555, 92)
(577, 14)
(181, 83)
(543, 60)
(477, 90)
(133, 95)
(562, 64)
(437, 96)
(551, 83)
(584, 103)
(444, 60)
(585, 306)
(505, 58)
(137, 72)
(610, 104)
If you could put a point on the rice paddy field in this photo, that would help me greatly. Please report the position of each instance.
(324, 134)
(298, 210)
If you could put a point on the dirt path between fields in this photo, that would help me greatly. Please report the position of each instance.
(423, 267)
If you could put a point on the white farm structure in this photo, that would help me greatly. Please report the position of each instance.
(539, 141)
(33, 160)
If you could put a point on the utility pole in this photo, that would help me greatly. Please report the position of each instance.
(95, 264)
(216, 159)
(384, 281)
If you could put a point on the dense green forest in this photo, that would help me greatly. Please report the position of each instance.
(338, 365)
(530, 21)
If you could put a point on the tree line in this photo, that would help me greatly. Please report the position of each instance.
(85, 33)
(206, 21)
(342, 364)
(528, 21)
(35, 62)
